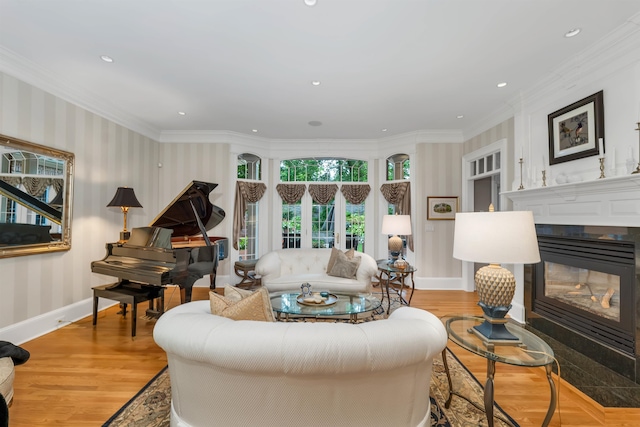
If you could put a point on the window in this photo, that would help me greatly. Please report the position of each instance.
(249, 169)
(333, 221)
(323, 170)
(398, 167)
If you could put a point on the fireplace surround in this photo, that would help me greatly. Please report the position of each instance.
(601, 211)
(585, 292)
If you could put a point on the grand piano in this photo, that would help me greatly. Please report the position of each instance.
(173, 249)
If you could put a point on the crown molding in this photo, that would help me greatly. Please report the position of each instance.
(496, 117)
(317, 147)
(29, 72)
(615, 51)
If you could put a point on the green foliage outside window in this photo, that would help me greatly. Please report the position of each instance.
(323, 170)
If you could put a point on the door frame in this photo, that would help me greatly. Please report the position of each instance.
(467, 204)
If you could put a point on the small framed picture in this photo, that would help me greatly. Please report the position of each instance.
(442, 208)
(577, 130)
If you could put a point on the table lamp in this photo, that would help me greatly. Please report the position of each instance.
(397, 225)
(125, 198)
(494, 238)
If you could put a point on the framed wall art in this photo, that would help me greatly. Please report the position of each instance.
(575, 130)
(442, 208)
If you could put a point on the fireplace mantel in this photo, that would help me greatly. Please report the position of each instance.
(607, 201)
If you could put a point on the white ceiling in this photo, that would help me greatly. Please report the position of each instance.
(239, 65)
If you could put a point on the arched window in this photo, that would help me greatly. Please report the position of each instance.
(249, 173)
(397, 191)
(398, 167)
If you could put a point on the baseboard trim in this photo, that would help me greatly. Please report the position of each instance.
(32, 328)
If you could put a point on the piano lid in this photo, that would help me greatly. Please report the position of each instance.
(31, 202)
(179, 215)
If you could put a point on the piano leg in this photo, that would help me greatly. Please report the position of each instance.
(212, 281)
(185, 293)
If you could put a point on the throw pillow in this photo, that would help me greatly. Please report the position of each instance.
(334, 254)
(236, 294)
(256, 306)
(345, 267)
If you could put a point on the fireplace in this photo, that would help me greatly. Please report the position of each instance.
(585, 292)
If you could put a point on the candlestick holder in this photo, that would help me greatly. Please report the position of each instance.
(522, 186)
(544, 178)
(602, 167)
(638, 168)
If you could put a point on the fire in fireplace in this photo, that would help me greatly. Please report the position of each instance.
(583, 288)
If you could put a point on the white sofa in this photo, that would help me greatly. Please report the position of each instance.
(248, 373)
(288, 269)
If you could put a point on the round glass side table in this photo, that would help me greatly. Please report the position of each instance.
(529, 351)
(389, 275)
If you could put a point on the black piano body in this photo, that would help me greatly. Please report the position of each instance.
(168, 250)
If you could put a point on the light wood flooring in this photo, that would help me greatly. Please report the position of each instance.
(80, 375)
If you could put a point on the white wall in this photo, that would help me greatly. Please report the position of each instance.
(617, 74)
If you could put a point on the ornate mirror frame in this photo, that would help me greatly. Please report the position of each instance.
(53, 170)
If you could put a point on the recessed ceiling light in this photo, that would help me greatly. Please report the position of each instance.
(316, 82)
(315, 123)
(182, 113)
(502, 84)
(459, 117)
(573, 32)
(310, 3)
(254, 130)
(384, 130)
(106, 58)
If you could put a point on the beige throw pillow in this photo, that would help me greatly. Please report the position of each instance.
(334, 254)
(236, 294)
(256, 306)
(345, 267)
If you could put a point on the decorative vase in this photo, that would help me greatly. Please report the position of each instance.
(400, 263)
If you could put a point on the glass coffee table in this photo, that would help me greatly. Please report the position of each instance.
(288, 304)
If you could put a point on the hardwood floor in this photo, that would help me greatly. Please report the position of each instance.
(80, 375)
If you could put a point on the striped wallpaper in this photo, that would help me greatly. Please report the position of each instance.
(107, 156)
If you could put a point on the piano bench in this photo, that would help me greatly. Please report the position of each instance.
(130, 293)
(246, 271)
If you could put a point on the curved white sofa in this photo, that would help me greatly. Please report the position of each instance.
(288, 269)
(248, 373)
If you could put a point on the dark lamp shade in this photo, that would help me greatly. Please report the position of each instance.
(125, 197)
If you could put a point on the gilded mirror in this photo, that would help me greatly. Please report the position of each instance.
(36, 192)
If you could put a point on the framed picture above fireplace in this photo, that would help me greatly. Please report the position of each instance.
(576, 130)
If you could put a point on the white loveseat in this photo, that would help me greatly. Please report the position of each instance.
(249, 373)
(288, 269)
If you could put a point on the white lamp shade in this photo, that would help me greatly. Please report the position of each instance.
(496, 237)
(399, 225)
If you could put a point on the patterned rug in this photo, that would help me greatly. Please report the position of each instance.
(151, 406)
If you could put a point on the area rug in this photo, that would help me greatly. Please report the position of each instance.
(151, 406)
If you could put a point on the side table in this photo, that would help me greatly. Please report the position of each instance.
(246, 271)
(389, 275)
(531, 351)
